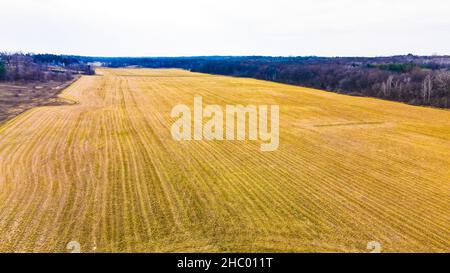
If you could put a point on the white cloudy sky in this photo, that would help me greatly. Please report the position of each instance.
(226, 27)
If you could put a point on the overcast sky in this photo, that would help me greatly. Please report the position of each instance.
(226, 27)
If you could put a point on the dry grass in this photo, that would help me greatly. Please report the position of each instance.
(17, 97)
(106, 172)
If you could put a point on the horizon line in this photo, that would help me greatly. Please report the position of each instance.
(232, 56)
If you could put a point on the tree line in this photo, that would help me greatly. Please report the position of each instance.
(29, 67)
(418, 83)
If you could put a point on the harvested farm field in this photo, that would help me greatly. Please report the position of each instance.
(106, 172)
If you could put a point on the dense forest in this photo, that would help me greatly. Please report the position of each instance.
(418, 80)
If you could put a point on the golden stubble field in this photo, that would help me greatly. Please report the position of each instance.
(107, 173)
